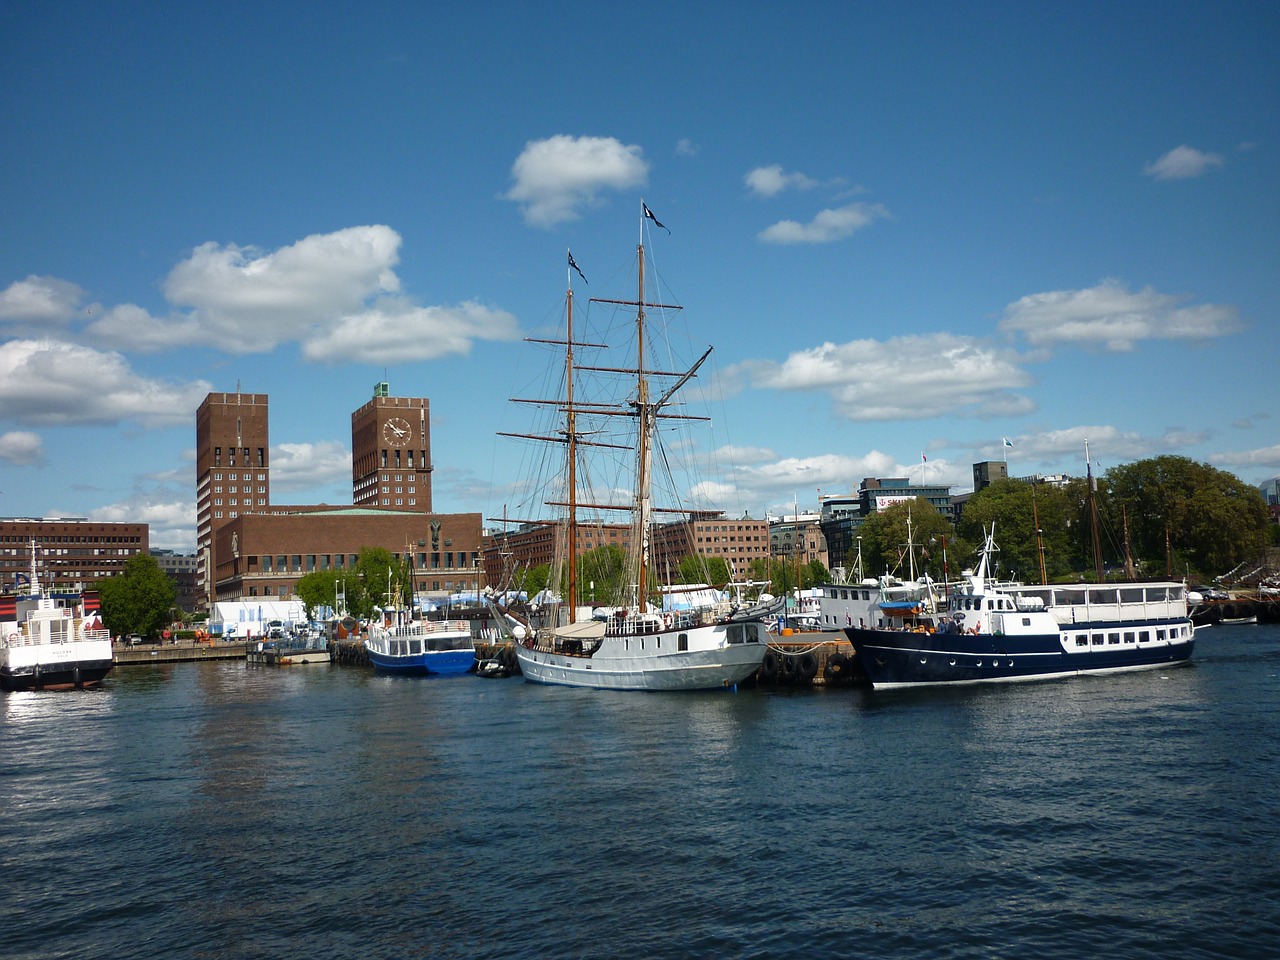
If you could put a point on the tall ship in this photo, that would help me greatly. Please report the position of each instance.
(52, 643)
(992, 631)
(616, 403)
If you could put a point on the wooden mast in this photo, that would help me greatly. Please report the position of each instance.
(1093, 514)
(643, 440)
(571, 427)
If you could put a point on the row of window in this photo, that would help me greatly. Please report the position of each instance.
(77, 538)
(245, 460)
(308, 563)
(423, 586)
(1117, 637)
(247, 478)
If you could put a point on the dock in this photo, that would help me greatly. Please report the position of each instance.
(181, 651)
(810, 659)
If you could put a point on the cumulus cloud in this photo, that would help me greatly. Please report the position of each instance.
(21, 448)
(40, 300)
(171, 522)
(686, 148)
(1267, 457)
(1112, 317)
(302, 466)
(250, 300)
(827, 227)
(337, 294)
(904, 378)
(396, 331)
(556, 177)
(1182, 163)
(51, 382)
(772, 180)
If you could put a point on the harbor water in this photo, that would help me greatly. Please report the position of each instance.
(223, 811)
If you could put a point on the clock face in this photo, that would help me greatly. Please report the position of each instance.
(396, 431)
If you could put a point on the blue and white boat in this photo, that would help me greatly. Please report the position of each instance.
(1003, 632)
(422, 647)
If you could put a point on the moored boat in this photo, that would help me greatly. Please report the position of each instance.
(643, 640)
(49, 646)
(422, 647)
(1005, 632)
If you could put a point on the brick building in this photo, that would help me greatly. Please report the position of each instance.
(264, 555)
(72, 553)
(708, 534)
(250, 547)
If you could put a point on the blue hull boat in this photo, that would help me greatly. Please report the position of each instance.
(423, 648)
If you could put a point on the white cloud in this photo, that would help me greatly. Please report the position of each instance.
(686, 148)
(1268, 457)
(337, 294)
(396, 331)
(557, 176)
(1182, 163)
(21, 448)
(905, 378)
(132, 325)
(40, 300)
(50, 382)
(772, 180)
(1112, 317)
(301, 466)
(827, 227)
(171, 523)
(248, 301)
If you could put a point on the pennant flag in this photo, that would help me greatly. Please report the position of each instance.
(1008, 442)
(923, 458)
(649, 216)
(574, 263)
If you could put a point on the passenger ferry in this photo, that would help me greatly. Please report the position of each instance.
(1005, 632)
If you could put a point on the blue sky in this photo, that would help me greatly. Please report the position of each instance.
(909, 230)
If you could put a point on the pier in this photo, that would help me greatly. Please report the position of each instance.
(181, 651)
(810, 659)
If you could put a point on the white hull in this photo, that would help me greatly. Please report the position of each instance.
(652, 661)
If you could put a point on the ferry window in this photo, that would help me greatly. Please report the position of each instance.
(1113, 638)
(1128, 636)
(1026, 621)
(1082, 640)
(1098, 639)
(1144, 637)
(1159, 634)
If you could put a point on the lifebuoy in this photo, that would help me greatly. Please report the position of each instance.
(13, 637)
(666, 620)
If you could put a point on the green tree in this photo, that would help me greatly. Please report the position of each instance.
(1183, 516)
(885, 538)
(319, 590)
(1031, 521)
(138, 600)
(600, 574)
(710, 570)
(382, 581)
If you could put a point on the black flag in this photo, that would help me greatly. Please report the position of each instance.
(574, 263)
(649, 215)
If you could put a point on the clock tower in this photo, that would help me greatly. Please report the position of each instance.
(391, 452)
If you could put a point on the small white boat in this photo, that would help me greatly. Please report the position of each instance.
(52, 647)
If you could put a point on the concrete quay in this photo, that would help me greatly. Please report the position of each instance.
(181, 651)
